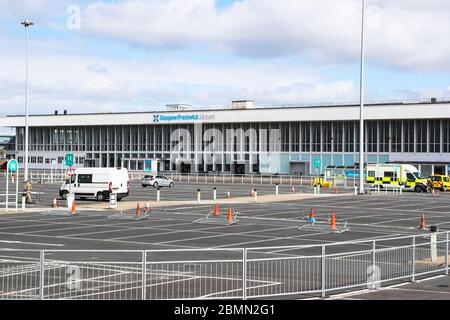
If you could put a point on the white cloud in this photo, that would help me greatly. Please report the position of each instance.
(24, 6)
(407, 34)
(68, 82)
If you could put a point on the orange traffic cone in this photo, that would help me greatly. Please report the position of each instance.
(333, 221)
(216, 210)
(423, 225)
(54, 204)
(312, 214)
(138, 210)
(74, 208)
(335, 190)
(230, 215)
(312, 217)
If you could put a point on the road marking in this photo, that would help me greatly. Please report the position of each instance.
(32, 243)
(422, 290)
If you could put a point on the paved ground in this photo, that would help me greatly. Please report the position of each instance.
(259, 225)
(44, 193)
(437, 288)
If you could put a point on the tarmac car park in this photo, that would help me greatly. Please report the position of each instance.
(181, 254)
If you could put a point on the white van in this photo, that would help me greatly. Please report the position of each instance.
(404, 175)
(97, 183)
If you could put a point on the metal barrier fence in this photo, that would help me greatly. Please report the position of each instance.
(45, 176)
(221, 273)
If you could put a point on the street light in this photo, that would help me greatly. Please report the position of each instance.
(26, 24)
(361, 109)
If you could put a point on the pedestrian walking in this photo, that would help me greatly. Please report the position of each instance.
(28, 189)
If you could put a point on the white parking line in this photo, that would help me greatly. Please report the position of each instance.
(32, 243)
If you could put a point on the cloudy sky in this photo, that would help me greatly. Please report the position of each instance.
(88, 56)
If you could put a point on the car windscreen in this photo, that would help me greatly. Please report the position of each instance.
(445, 179)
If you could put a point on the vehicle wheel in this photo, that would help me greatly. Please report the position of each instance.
(171, 185)
(155, 185)
(64, 195)
(100, 196)
(144, 185)
(418, 189)
(119, 198)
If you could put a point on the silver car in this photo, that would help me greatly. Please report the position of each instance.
(157, 181)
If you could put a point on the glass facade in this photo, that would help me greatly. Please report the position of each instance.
(123, 145)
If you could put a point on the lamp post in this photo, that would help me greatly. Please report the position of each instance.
(26, 24)
(361, 109)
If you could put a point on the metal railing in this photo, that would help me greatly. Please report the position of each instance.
(221, 273)
(47, 176)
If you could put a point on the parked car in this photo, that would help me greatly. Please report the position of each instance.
(156, 181)
(440, 182)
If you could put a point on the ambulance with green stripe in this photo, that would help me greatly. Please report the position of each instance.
(390, 174)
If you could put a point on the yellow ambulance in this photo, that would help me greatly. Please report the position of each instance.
(404, 175)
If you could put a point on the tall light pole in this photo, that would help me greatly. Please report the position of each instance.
(26, 24)
(361, 108)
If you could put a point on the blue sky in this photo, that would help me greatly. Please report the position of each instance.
(140, 55)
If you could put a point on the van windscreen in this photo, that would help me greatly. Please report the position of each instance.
(71, 179)
(418, 175)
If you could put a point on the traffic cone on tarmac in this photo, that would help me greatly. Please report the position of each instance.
(333, 221)
(423, 225)
(74, 208)
(138, 210)
(335, 190)
(216, 210)
(54, 203)
(230, 215)
(312, 216)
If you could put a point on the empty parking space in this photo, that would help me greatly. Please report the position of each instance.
(259, 223)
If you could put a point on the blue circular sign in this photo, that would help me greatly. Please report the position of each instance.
(12, 165)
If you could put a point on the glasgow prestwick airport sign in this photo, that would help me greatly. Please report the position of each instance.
(157, 118)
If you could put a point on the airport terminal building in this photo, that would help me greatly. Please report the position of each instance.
(242, 138)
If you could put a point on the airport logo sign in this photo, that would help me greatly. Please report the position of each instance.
(157, 118)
